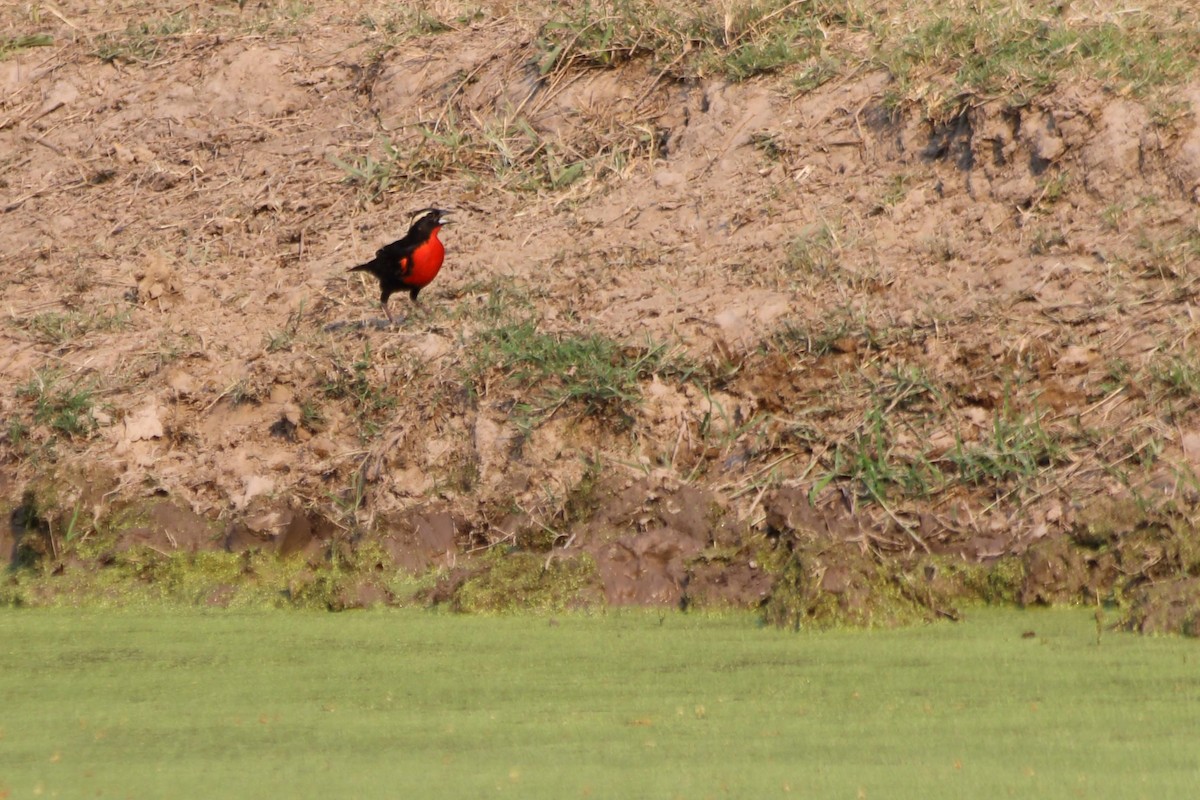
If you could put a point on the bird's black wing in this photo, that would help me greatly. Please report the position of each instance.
(399, 253)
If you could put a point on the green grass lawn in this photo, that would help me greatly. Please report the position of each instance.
(624, 705)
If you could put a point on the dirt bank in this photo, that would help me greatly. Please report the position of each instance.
(689, 323)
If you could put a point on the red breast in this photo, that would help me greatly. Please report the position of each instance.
(427, 260)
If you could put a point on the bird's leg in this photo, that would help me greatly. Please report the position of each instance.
(388, 311)
(419, 308)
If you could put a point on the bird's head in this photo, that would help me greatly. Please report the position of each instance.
(431, 219)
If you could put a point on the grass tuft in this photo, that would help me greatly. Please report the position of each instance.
(143, 42)
(735, 40)
(1179, 375)
(870, 462)
(970, 52)
(597, 374)
(60, 328)
(12, 45)
(67, 408)
(1016, 449)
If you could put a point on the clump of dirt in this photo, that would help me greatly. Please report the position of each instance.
(829, 572)
(644, 536)
(647, 541)
(1120, 549)
(678, 300)
(1171, 606)
(283, 528)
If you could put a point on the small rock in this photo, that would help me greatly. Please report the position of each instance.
(291, 412)
(1191, 447)
(256, 485)
(144, 424)
(733, 326)
(1073, 357)
(979, 417)
(281, 394)
(182, 383)
(321, 447)
(668, 180)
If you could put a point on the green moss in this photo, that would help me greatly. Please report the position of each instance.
(522, 581)
(996, 582)
(142, 576)
(836, 585)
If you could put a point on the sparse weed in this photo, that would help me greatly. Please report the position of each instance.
(813, 252)
(279, 340)
(1007, 51)
(897, 190)
(598, 374)
(495, 303)
(276, 19)
(311, 416)
(765, 37)
(1179, 375)
(243, 392)
(10, 46)
(17, 432)
(1045, 241)
(1166, 109)
(1016, 449)
(1175, 253)
(372, 175)
(66, 409)
(348, 503)
(282, 340)
(767, 144)
(1112, 216)
(444, 145)
(559, 175)
(584, 498)
(508, 150)
(519, 157)
(868, 460)
(514, 153)
(941, 247)
(354, 383)
(1054, 188)
(834, 331)
(736, 40)
(171, 348)
(903, 387)
(143, 42)
(59, 328)
(461, 476)
(817, 73)
(1117, 375)
(405, 20)
(604, 34)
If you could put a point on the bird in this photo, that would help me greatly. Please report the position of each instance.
(411, 262)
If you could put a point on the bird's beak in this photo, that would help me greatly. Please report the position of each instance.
(444, 220)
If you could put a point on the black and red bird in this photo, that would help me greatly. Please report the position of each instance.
(409, 263)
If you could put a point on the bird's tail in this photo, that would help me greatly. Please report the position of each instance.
(367, 267)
